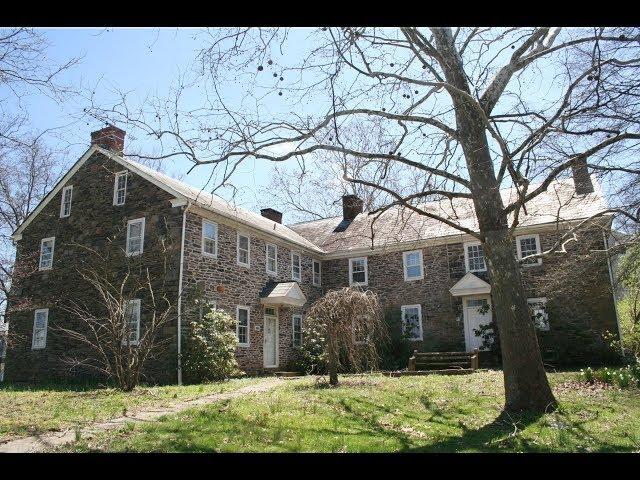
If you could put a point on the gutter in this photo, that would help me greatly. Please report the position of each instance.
(613, 290)
(184, 224)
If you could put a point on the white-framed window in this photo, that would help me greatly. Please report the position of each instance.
(243, 247)
(47, 246)
(412, 321)
(358, 274)
(296, 266)
(243, 317)
(539, 315)
(135, 237)
(317, 273)
(120, 188)
(474, 257)
(412, 262)
(209, 238)
(132, 322)
(360, 335)
(65, 202)
(528, 245)
(40, 321)
(272, 258)
(296, 330)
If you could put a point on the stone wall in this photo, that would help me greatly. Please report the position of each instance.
(95, 223)
(229, 285)
(576, 285)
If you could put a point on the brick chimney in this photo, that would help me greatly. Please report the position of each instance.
(111, 138)
(351, 207)
(272, 214)
(581, 178)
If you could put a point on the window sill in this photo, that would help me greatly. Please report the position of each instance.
(413, 279)
(245, 265)
(210, 255)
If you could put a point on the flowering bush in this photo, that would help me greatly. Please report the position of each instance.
(312, 354)
(626, 377)
(210, 348)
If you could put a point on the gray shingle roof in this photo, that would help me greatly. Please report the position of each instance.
(216, 204)
(398, 225)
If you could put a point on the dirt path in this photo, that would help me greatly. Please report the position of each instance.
(50, 441)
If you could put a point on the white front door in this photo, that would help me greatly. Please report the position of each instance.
(476, 313)
(270, 337)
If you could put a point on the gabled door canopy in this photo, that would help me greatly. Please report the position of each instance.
(470, 285)
(283, 293)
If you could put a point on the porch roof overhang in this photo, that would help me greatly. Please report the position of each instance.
(283, 293)
(470, 285)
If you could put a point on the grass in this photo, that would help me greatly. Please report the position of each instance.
(33, 410)
(379, 414)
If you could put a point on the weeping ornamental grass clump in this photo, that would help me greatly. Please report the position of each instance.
(627, 377)
(210, 348)
(343, 330)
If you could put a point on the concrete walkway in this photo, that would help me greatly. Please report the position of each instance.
(49, 441)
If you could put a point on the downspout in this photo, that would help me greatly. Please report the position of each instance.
(184, 225)
(613, 290)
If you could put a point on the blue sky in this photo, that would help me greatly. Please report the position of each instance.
(141, 61)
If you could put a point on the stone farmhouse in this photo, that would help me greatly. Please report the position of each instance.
(266, 274)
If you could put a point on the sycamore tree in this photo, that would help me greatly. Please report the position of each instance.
(450, 114)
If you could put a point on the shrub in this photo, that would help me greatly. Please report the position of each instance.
(210, 349)
(311, 357)
(395, 353)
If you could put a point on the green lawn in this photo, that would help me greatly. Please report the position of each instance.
(380, 414)
(25, 411)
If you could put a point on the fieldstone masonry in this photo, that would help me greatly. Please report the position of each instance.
(576, 284)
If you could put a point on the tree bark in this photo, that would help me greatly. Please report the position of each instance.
(526, 384)
(525, 381)
(333, 364)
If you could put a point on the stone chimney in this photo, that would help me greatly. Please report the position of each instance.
(351, 207)
(272, 214)
(581, 178)
(110, 138)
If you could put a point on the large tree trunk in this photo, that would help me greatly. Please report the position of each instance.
(525, 381)
(526, 384)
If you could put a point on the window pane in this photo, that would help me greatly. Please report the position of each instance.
(529, 246)
(297, 330)
(358, 277)
(413, 258)
(413, 271)
(209, 230)
(476, 257)
(209, 246)
(243, 321)
(412, 322)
